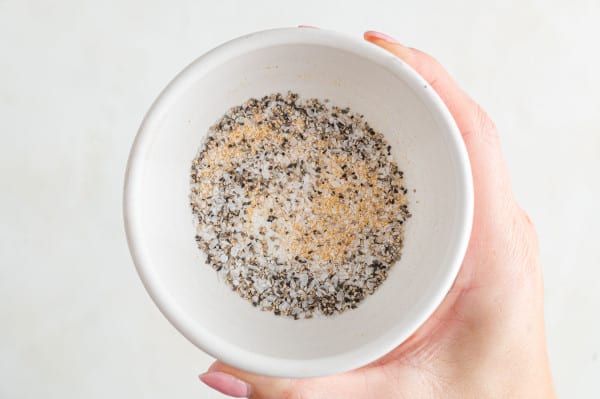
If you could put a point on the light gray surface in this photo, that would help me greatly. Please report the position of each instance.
(75, 80)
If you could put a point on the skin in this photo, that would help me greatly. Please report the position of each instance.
(487, 338)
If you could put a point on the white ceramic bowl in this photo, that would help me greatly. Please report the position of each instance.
(315, 63)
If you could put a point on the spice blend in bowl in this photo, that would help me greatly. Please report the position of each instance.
(299, 205)
(182, 280)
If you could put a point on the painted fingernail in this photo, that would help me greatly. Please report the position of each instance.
(382, 36)
(307, 27)
(226, 384)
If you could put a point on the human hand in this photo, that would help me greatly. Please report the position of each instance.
(486, 340)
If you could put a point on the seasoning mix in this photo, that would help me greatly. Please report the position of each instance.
(299, 205)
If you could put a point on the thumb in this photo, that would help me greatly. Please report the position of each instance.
(490, 174)
(467, 114)
(494, 200)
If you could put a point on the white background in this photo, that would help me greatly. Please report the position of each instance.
(76, 78)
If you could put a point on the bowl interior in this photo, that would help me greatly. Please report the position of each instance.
(160, 224)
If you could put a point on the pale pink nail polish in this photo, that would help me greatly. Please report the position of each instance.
(226, 384)
(381, 36)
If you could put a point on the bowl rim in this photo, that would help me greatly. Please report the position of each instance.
(201, 336)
